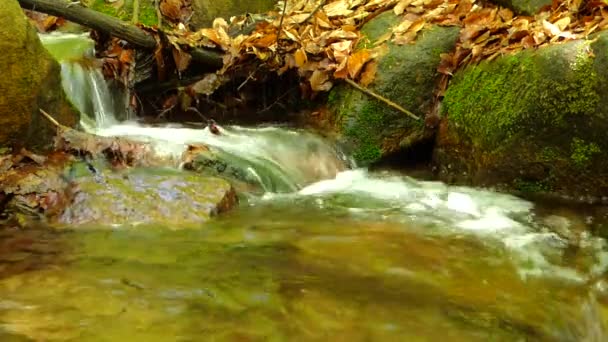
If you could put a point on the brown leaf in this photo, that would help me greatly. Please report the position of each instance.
(319, 81)
(182, 59)
(300, 57)
(171, 9)
(401, 6)
(126, 56)
(356, 62)
(208, 84)
(369, 73)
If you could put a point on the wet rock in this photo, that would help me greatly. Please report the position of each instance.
(527, 7)
(30, 80)
(147, 196)
(407, 75)
(246, 175)
(207, 10)
(535, 122)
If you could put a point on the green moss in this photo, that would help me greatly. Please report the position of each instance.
(147, 12)
(531, 186)
(583, 152)
(548, 154)
(496, 101)
(370, 120)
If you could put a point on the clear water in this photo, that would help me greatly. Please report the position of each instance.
(348, 255)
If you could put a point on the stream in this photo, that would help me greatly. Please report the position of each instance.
(331, 253)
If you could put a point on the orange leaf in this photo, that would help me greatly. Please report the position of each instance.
(369, 73)
(300, 57)
(265, 41)
(356, 62)
(126, 56)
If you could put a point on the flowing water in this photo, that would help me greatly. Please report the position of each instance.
(335, 255)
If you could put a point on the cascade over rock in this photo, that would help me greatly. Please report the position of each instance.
(535, 121)
(406, 75)
(30, 80)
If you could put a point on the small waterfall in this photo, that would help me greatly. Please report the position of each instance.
(83, 81)
(280, 159)
(89, 92)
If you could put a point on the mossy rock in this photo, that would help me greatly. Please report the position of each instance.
(147, 196)
(407, 75)
(147, 11)
(30, 80)
(534, 121)
(527, 7)
(205, 11)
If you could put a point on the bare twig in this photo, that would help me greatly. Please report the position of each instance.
(281, 22)
(312, 14)
(135, 18)
(51, 119)
(381, 98)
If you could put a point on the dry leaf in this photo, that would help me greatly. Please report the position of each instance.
(300, 57)
(319, 81)
(182, 59)
(356, 62)
(400, 7)
(208, 84)
(369, 73)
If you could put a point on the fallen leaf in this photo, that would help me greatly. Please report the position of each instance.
(208, 84)
(356, 62)
(369, 73)
(300, 57)
(319, 81)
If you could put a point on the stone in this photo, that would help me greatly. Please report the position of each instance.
(147, 196)
(30, 81)
(534, 122)
(147, 12)
(407, 75)
(205, 11)
(526, 7)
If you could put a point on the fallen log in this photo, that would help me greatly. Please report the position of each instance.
(115, 27)
(93, 19)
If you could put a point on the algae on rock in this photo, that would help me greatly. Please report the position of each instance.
(527, 7)
(407, 75)
(147, 196)
(534, 121)
(147, 11)
(205, 11)
(30, 80)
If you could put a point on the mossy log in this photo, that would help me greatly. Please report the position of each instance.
(115, 27)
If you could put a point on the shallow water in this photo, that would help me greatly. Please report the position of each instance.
(333, 256)
(362, 258)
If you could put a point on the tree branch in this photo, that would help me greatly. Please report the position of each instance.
(381, 98)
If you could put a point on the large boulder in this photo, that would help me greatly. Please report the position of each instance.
(526, 7)
(205, 11)
(30, 80)
(147, 196)
(534, 121)
(407, 75)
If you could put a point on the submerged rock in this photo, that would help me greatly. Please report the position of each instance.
(145, 196)
(535, 121)
(30, 80)
(406, 74)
